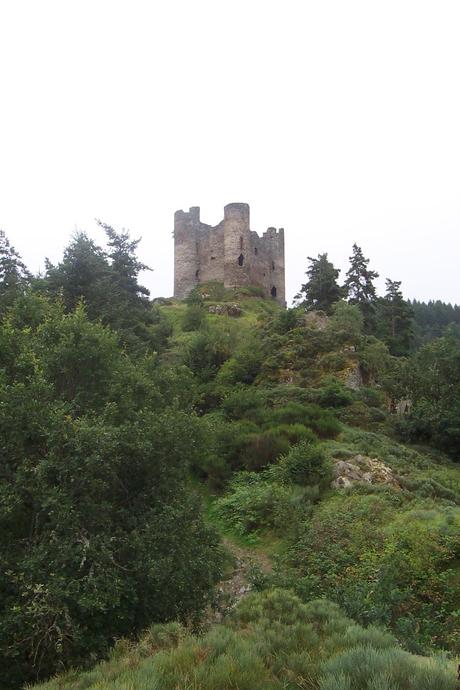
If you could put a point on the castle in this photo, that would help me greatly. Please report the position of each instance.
(229, 253)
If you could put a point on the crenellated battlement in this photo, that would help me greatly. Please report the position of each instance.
(230, 252)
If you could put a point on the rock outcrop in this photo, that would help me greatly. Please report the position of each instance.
(361, 468)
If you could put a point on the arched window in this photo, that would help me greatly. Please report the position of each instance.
(255, 250)
(240, 260)
(273, 265)
(273, 291)
(197, 273)
(241, 243)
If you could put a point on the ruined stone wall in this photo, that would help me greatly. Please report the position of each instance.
(229, 253)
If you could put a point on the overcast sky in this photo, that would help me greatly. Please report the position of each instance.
(339, 121)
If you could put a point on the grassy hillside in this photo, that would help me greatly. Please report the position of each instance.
(298, 458)
(271, 641)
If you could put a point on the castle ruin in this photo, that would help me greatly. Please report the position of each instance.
(229, 253)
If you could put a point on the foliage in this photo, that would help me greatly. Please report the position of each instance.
(107, 282)
(433, 385)
(100, 532)
(14, 276)
(432, 318)
(194, 317)
(395, 317)
(386, 560)
(347, 321)
(359, 287)
(306, 464)
(271, 641)
(254, 503)
(321, 290)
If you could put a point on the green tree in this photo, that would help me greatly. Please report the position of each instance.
(107, 282)
(100, 533)
(321, 290)
(82, 274)
(14, 276)
(360, 288)
(395, 319)
(433, 385)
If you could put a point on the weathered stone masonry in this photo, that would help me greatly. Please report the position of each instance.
(229, 253)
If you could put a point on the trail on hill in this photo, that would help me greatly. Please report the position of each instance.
(248, 565)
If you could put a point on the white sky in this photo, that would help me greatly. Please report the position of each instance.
(337, 120)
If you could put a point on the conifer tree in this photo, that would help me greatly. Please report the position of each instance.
(14, 276)
(396, 319)
(360, 288)
(321, 290)
(82, 274)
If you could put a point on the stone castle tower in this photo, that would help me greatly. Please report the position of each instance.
(229, 253)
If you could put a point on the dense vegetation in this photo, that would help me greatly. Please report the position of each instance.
(120, 417)
(270, 642)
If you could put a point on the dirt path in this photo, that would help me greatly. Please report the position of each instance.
(249, 566)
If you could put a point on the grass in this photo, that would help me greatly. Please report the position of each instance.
(271, 641)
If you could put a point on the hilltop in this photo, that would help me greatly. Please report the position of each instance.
(221, 493)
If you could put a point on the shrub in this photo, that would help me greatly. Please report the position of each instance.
(366, 668)
(333, 393)
(294, 433)
(194, 317)
(262, 449)
(243, 366)
(306, 463)
(322, 422)
(244, 402)
(270, 641)
(252, 503)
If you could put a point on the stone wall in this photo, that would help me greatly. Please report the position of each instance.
(228, 253)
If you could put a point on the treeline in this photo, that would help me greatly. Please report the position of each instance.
(433, 318)
(402, 325)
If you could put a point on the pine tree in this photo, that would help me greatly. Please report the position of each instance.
(321, 290)
(129, 310)
(396, 319)
(82, 274)
(14, 276)
(360, 288)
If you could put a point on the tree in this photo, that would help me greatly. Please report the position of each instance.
(14, 276)
(433, 385)
(395, 320)
(359, 286)
(321, 290)
(107, 282)
(100, 533)
(83, 274)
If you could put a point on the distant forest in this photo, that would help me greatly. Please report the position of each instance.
(432, 318)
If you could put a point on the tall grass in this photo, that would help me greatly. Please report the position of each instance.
(271, 642)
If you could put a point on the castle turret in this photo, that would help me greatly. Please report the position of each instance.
(237, 249)
(186, 262)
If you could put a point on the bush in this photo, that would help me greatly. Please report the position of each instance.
(194, 317)
(270, 641)
(294, 433)
(262, 449)
(243, 366)
(333, 393)
(252, 504)
(306, 464)
(400, 564)
(322, 422)
(366, 668)
(245, 402)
